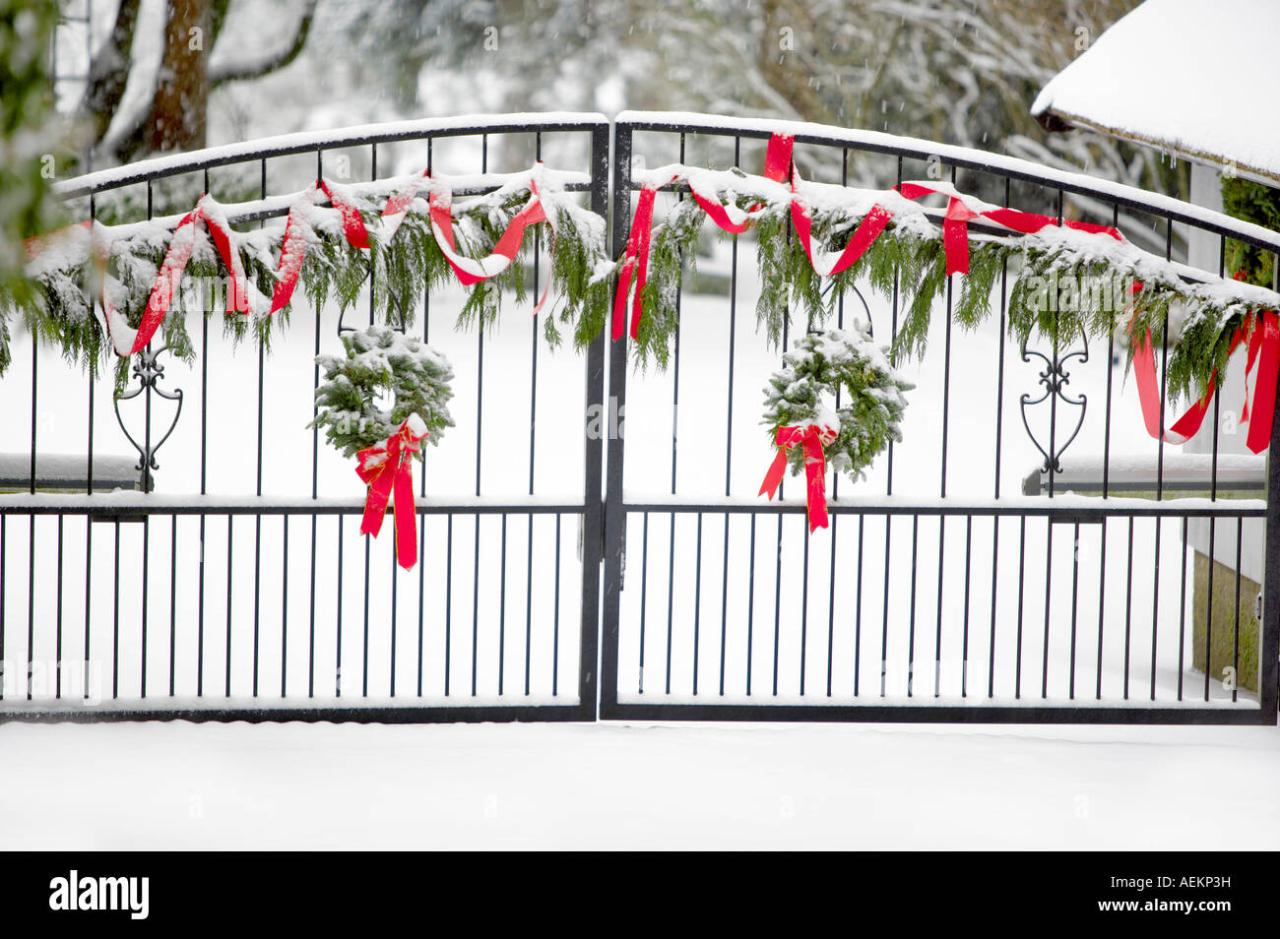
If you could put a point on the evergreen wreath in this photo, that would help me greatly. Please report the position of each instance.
(381, 361)
(840, 379)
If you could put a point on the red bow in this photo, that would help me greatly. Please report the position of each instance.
(814, 438)
(387, 470)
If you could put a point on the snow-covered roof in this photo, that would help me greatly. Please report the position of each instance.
(1192, 77)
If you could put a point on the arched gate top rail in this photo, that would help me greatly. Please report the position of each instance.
(309, 141)
(964, 157)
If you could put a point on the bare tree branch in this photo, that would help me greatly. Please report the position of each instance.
(244, 71)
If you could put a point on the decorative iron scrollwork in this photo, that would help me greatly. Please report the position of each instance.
(148, 372)
(1055, 377)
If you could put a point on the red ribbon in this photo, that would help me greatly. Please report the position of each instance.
(955, 223)
(353, 227)
(387, 470)
(777, 167)
(397, 206)
(473, 270)
(179, 252)
(293, 246)
(814, 438)
(868, 230)
(636, 261)
(863, 237)
(1263, 333)
(293, 251)
(778, 157)
(1266, 339)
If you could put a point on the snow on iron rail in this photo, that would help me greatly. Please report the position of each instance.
(309, 141)
(1067, 503)
(128, 502)
(915, 147)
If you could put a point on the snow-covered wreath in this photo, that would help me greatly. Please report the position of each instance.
(836, 398)
(382, 363)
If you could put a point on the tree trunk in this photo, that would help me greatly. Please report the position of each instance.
(180, 104)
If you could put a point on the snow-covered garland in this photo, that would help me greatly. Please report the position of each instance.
(381, 361)
(836, 398)
(106, 287)
(815, 239)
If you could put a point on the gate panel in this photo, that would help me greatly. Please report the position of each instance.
(241, 588)
(940, 592)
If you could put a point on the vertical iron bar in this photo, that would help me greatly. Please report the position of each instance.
(1128, 607)
(57, 655)
(502, 608)
(777, 603)
(115, 617)
(4, 519)
(395, 604)
(804, 615)
(173, 602)
(964, 648)
(644, 596)
(284, 609)
(337, 665)
(533, 420)
(598, 673)
(751, 604)
(857, 618)
(1182, 612)
(475, 609)
(422, 586)
(146, 542)
(1022, 559)
(1075, 596)
(230, 567)
(1048, 595)
(555, 622)
(1269, 628)
(911, 616)
(728, 448)
(1235, 655)
(448, 603)
(364, 656)
(697, 602)
(1102, 596)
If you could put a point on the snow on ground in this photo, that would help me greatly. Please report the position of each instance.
(178, 786)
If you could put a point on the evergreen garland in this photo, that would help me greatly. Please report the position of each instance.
(60, 311)
(675, 242)
(1194, 321)
(1252, 202)
(381, 361)
(834, 367)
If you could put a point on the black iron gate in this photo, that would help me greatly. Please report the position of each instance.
(941, 592)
